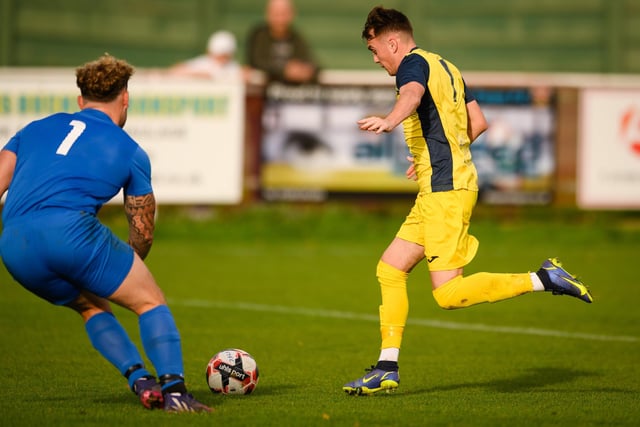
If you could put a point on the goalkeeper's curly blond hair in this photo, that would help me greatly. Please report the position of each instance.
(104, 79)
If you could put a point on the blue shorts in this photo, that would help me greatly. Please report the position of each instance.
(57, 253)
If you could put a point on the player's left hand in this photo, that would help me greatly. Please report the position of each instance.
(411, 170)
(375, 124)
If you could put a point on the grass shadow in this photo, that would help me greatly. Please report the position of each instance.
(533, 379)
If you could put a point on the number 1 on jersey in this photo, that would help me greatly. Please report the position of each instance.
(77, 127)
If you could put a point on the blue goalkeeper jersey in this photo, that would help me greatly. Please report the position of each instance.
(75, 161)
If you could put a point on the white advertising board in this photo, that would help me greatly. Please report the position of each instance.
(193, 130)
(312, 145)
(609, 149)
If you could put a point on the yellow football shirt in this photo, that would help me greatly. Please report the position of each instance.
(436, 132)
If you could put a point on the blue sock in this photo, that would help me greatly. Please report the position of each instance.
(112, 342)
(161, 341)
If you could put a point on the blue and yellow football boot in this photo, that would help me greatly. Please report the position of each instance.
(558, 281)
(373, 381)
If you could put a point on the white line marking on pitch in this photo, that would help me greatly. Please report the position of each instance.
(334, 314)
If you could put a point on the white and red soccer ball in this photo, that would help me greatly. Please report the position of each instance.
(232, 371)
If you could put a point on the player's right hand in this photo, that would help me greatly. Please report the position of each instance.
(375, 124)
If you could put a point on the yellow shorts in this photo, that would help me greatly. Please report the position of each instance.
(440, 223)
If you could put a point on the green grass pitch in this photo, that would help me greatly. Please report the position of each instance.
(295, 286)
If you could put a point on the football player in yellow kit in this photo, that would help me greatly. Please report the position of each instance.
(440, 119)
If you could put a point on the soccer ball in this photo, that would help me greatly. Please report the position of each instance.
(232, 371)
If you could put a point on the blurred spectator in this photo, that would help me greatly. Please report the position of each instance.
(278, 49)
(217, 63)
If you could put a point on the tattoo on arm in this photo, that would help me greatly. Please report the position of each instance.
(140, 211)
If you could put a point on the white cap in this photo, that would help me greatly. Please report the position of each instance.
(222, 43)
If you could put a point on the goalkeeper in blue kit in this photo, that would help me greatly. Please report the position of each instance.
(59, 171)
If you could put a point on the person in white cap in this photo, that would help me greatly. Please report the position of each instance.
(217, 63)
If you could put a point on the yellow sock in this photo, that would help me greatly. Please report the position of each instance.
(395, 304)
(462, 292)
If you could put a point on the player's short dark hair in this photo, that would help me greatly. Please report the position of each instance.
(381, 20)
(104, 79)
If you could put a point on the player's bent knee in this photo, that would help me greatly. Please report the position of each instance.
(443, 301)
(446, 306)
(447, 295)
